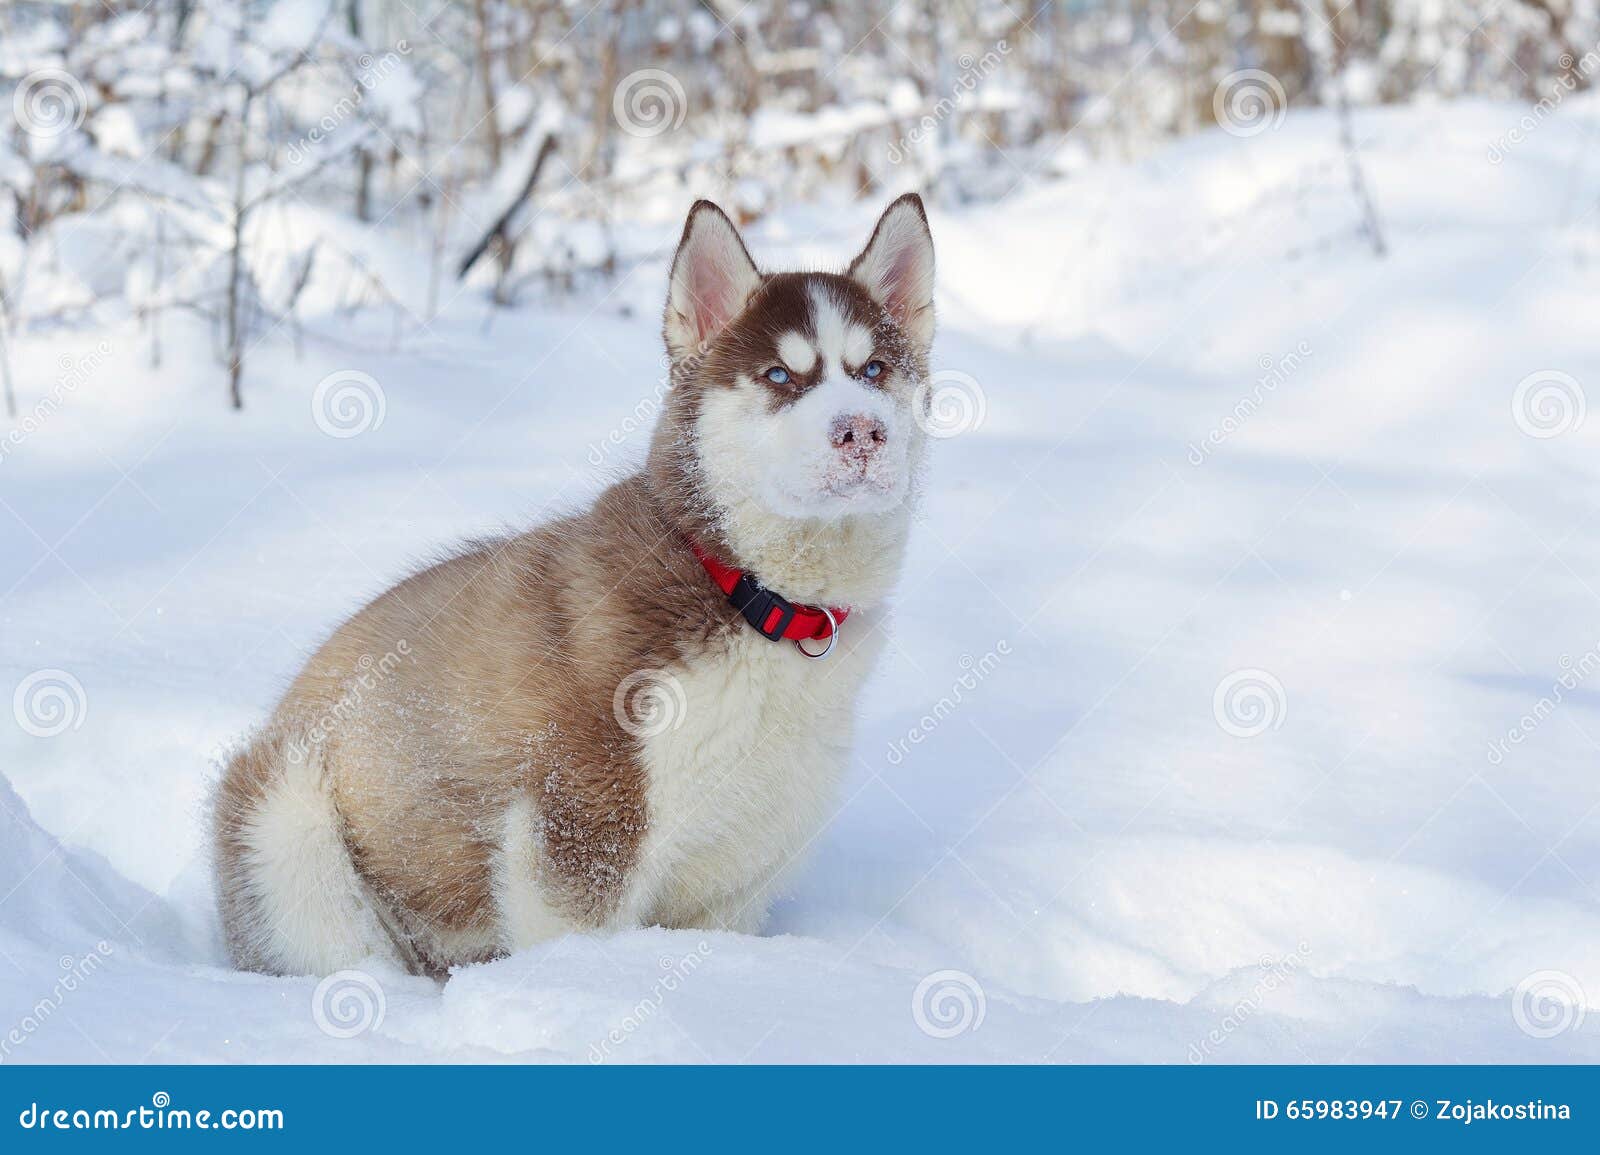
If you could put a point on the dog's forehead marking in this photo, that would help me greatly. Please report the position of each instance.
(797, 352)
(841, 339)
(857, 344)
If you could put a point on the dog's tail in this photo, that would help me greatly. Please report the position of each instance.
(291, 900)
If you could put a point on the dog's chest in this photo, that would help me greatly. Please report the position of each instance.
(748, 771)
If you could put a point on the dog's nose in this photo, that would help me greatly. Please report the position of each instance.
(858, 435)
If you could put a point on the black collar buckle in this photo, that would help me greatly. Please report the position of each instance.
(768, 612)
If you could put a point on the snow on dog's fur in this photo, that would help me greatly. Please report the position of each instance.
(585, 733)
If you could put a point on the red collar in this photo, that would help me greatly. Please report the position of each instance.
(772, 615)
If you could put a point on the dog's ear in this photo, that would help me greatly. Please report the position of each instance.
(712, 279)
(896, 267)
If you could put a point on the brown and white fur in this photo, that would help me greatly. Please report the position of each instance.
(571, 728)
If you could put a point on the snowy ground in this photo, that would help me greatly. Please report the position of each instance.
(1368, 878)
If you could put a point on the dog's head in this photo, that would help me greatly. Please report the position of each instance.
(796, 390)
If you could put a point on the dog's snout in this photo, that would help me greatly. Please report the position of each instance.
(858, 434)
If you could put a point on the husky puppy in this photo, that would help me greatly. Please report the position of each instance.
(612, 720)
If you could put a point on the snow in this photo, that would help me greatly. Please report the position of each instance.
(292, 25)
(1062, 839)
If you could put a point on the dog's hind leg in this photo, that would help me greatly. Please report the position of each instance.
(291, 899)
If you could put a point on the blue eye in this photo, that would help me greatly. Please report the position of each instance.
(778, 375)
(873, 370)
